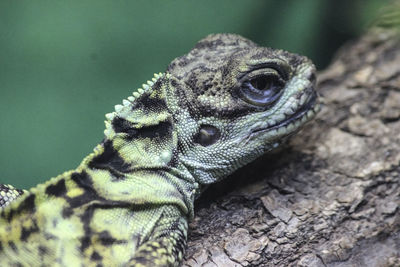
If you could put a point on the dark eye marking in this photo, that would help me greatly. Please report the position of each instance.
(207, 135)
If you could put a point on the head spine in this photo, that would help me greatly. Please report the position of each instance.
(122, 110)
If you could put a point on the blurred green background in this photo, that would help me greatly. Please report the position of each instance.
(64, 64)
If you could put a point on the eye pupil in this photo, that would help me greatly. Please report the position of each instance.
(207, 135)
(260, 83)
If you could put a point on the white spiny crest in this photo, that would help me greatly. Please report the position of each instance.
(110, 116)
(108, 131)
(126, 103)
(118, 108)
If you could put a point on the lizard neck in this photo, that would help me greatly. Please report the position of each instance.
(137, 161)
(116, 177)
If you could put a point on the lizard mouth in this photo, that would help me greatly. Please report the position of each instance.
(301, 115)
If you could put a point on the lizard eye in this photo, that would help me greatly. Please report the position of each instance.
(263, 83)
(207, 135)
(262, 88)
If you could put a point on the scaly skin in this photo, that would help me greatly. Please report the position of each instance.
(214, 110)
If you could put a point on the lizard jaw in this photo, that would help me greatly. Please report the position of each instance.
(291, 122)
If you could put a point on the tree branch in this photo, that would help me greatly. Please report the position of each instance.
(331, 196)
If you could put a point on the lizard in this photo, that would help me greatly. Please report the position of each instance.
(222, 105)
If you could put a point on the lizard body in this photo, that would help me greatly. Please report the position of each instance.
(225, 103)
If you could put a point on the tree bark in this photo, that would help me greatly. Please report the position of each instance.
(331, 196)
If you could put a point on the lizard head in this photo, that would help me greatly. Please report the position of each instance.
(215, 109)
(233, 100)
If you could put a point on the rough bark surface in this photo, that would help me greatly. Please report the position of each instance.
(331, 196)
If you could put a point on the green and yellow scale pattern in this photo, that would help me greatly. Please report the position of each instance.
(128, 203)
(99, 213)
